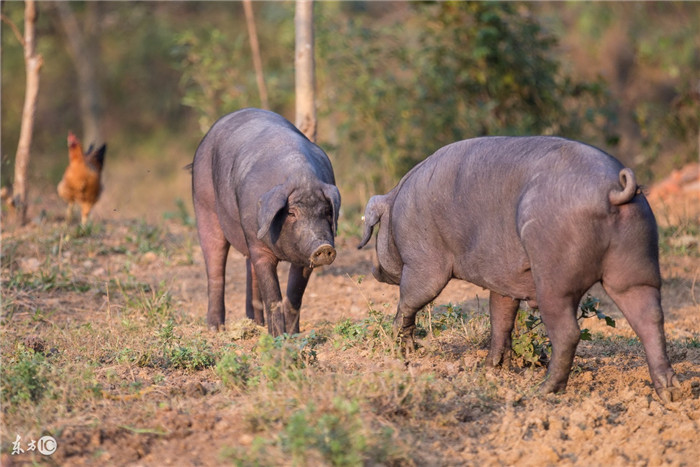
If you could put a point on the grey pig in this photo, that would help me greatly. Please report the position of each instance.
(260, 185)
(536, 219)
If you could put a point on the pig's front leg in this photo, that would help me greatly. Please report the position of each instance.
(253, 301)
(296, 284)
(265, 266)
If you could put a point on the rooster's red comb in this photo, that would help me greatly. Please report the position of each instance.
(72, 139)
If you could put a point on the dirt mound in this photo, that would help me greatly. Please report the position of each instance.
(677, 197)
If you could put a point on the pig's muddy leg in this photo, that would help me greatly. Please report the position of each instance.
(296, 284)
(215, 250)
(641, 305)
(502, 311)
(417, 291)
(266, 272)
(253, 302)
(559, 317)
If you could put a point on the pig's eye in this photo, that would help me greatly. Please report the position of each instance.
(292, 214)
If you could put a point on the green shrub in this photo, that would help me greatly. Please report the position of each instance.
(235, 370)
(337, 433)
(24, 377)
(284, 356)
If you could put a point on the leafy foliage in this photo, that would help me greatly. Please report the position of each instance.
(373, 331)
(398, 96)
(531, 343)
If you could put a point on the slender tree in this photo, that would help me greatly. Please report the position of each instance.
(33, 63)
(255, 50)
(304, 68)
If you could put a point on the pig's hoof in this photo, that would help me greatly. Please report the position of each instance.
(323, 256)
(498, 359)
(669, 395)
(549, 386)
(217, 327)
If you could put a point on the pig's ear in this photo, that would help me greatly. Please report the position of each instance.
(333, 196)
(270, 204)
(376, 207)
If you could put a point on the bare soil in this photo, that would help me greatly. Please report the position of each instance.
(458, 412)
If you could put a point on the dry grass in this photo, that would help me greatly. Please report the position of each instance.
(104, 346)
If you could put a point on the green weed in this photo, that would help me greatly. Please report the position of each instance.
(146, 238)
(284, 357)
(434, 323)
(181, 214)
(337, 434)
(531, 343)
(373, 331)
(235, 370)
(24, 377)
(194, 355)
(153, 303)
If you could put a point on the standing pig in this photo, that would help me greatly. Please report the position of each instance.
(539, 219)
(260, 185)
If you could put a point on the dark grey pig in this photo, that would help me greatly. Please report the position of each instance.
(260, 185)
(539, 219)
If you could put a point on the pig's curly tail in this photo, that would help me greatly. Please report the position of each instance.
(629, 188)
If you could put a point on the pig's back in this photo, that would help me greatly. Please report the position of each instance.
(263, 142)
(471, 197)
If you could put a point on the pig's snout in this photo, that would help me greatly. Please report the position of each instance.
(323, 256)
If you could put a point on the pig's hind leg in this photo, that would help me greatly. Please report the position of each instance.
(641, 306)
(418, 288)
(215, 249)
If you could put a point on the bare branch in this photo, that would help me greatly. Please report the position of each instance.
(14, 28)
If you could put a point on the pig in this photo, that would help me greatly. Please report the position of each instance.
(259, 185)
(538, 219)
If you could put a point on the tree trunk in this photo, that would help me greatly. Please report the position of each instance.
(255, 50)
(304, 69)
(33, 64)
(82, 47)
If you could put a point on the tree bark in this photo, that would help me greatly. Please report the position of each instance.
(255, 50)
(305, 81)
(33, 64)
(82, 47)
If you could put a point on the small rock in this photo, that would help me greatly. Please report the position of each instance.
(149, 257)
(29, 265)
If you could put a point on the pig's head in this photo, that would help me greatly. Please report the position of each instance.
(387, 267)
(301, 221)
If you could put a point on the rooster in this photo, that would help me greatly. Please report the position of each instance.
(81, 181)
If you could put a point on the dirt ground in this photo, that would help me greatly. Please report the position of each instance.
(609, 414)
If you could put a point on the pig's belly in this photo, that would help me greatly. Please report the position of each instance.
(511, 279)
